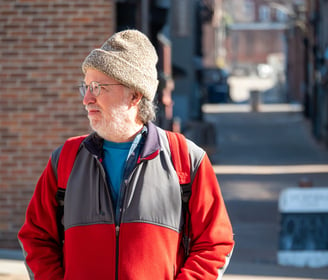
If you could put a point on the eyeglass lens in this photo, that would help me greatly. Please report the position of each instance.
(93, 87)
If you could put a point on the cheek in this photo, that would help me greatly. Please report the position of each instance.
(110, 98)
(105, 103)
(115, 99)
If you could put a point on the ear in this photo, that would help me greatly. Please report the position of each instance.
(136, 97)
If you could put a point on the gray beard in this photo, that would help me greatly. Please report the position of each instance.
(114, 125)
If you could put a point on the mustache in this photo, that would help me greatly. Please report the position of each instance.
(92, 107)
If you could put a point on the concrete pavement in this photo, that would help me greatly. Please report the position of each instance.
(12, 265)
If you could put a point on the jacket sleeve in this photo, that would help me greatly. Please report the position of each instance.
(39, 235)
(211, 232)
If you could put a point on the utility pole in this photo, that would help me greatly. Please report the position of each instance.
(145, 16)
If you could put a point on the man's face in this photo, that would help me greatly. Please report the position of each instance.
(109, 112)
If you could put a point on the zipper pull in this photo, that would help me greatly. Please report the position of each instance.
(117, 229)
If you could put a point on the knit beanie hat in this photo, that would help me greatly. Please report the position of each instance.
(128, 57)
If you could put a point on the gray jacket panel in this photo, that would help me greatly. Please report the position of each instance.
(151, 193)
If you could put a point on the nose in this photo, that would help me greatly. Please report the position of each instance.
(88, 98)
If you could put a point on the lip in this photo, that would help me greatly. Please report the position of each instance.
(92, 111)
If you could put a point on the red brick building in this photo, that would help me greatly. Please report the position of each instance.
(42, 46)
(255, 31)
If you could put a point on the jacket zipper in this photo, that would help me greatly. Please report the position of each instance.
(121, 203)
(119, 209)
(117, 232)
(117, 226)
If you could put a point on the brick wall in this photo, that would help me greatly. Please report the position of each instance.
(42, 45)
(254, 46)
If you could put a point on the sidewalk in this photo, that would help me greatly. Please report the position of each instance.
(12, 265)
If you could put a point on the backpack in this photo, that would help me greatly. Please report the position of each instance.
(180, 160)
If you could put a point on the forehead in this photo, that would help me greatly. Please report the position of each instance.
(93, 75)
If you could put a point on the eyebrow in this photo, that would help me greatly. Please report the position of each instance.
(104, 83)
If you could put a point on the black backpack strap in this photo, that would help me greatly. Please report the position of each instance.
(65, 164)
(60, 196)
(181, 162)
(185, 196)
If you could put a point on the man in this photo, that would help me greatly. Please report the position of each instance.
(122, 212)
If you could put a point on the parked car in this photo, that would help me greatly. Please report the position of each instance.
(215, 84)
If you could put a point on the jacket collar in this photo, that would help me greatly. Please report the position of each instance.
(94, 144)
(152, 144)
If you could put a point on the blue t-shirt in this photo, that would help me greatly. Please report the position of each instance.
(115, 156)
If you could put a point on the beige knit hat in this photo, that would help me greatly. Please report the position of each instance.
(128, 57)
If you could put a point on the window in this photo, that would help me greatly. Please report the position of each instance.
(281, 16)
(264, 13)
(249, 10)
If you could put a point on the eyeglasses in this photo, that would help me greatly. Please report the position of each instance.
(94, 88)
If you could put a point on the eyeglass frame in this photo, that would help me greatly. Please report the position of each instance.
(84, 87)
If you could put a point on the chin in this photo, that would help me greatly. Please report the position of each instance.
(95, 125)
(99, 128)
